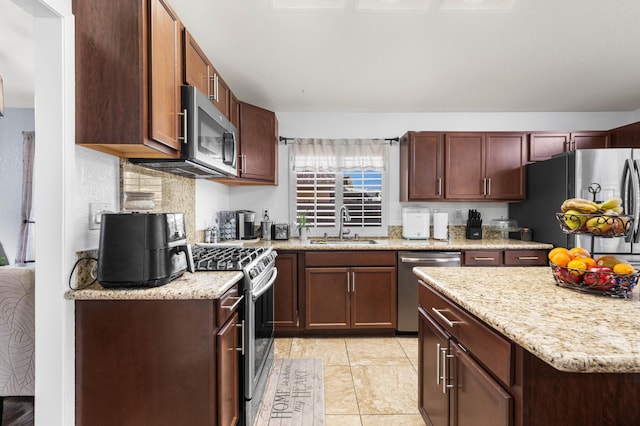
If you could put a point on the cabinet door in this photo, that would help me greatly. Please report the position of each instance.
(286, 291)
(421, 166)
(626, 136)
(544, 145)
(477, 399)
(164, 74)
(433, 396)
(234, 111)
(589, 140)
(258, 143)
(197, 69)
(228, 373)
(327, 298)
(464, 166)
(373, 297)
(505, 157)
(221, 93)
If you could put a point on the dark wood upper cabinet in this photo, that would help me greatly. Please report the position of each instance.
(200, 72)
(626, 136)
(485, 166)
(422, 166)
(258, 144)
(128, 76)
(544, 145)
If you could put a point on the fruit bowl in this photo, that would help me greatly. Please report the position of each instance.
(599, 225)
(603, 283)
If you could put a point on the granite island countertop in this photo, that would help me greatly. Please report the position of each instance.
(199, 285)
(569, 330)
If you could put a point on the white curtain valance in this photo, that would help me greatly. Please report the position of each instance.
(337, 155)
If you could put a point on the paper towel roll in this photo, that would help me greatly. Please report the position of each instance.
(440, 226)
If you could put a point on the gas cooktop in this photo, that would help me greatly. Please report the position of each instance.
(224, 258)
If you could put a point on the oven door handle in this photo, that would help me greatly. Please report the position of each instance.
(267, 286)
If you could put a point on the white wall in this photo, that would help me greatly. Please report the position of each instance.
(14, 122)
(97, 181)
(369, 125)
(211, 197)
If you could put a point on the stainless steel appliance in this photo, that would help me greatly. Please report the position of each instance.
(258, 267)
(142, 249)
(616, 173)
(210, 141)
(408, 282)
(245, 225)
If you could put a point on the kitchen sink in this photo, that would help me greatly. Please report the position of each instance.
(343, 242)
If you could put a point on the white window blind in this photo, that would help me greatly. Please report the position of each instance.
(330, 173)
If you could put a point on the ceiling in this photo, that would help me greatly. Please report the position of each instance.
(538, 55)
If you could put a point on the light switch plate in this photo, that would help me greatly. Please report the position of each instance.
(95, 214)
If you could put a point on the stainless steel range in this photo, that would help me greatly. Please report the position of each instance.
(258, 266)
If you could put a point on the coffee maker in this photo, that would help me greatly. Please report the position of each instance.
(245, 228)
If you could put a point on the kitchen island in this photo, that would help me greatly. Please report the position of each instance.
(527, 351)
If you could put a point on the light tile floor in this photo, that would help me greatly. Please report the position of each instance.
(368, 381)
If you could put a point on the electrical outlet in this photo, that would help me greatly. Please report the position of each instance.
(265, 212)
(95, 214)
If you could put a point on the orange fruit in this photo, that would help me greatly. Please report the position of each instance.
(589, 261)
(579, 252)
(561, 259)
(624, 269)
(557, 250)
(577, 266)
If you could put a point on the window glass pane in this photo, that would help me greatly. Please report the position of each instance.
(362, 194)
(360, 191)
(316, 198)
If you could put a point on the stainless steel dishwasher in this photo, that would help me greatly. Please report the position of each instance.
(408, 282)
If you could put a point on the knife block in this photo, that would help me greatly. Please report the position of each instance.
(473, 232)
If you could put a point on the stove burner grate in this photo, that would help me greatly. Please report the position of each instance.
(224, 258)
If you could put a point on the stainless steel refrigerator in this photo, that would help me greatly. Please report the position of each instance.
(608, 172)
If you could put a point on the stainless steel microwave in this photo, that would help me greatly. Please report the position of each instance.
(209, 146)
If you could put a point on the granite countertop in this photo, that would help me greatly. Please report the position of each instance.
(569, 330)
(199, 285)
(402, 244)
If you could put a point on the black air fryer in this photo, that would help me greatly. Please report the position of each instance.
(141, 249)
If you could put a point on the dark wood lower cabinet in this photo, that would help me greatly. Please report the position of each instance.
(286, 305)
(156, 362)
(454, 388)
(348, 291)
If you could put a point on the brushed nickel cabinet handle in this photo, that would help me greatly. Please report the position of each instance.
(484, 259)
(437, 363)
(241, 348)
(528, 258)
(450, 323)
(235, 305)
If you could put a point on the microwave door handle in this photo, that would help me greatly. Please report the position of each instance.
(228, 139)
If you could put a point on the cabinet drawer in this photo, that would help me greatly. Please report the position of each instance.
(226, 305)
(525, 257)
(483, 258)
(350, 258)
(489, 348)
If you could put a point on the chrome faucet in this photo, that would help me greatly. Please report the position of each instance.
(344, 217)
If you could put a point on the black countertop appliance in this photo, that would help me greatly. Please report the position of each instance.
(142, 249)
(245, 225)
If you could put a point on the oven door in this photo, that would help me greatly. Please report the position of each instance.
(259, 335)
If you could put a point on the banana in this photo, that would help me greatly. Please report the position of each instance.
(611, 203)
(579, 204)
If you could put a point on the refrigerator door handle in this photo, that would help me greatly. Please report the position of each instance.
(635, 180)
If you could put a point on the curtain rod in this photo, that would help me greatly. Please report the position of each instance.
(390, 140)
